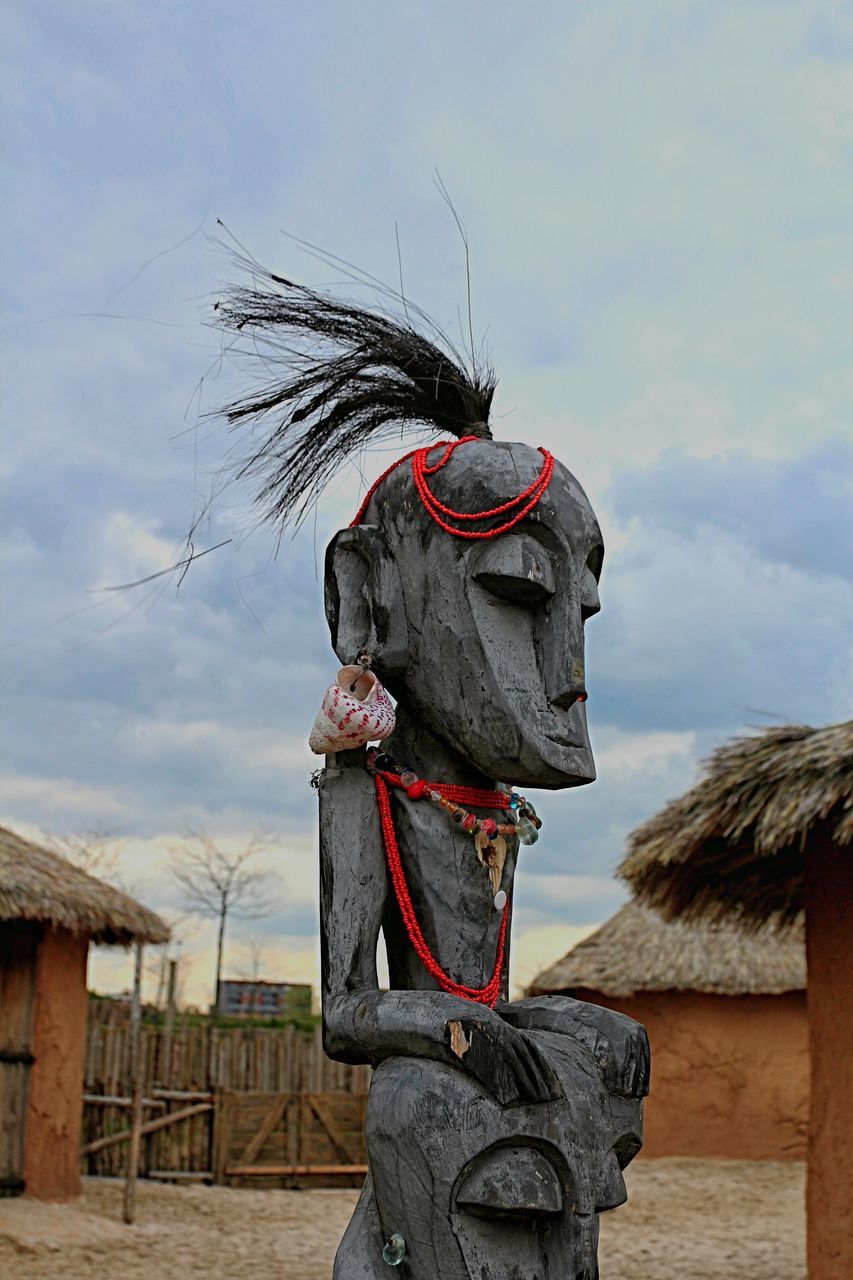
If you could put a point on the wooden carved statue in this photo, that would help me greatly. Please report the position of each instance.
(497, 1131)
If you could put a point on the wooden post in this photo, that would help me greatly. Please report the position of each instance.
(829, 892)
(152, 1126)
(220, 1136)
(168, 1028)
(136, 1090)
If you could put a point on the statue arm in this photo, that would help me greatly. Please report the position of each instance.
(362, 1023)
(619, 1045)
(353, 894)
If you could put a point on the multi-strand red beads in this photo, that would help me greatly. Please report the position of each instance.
(525, 501)
(521, 505)
(487, 995)
(452, 798)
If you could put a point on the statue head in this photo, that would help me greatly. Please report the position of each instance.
(481, 639)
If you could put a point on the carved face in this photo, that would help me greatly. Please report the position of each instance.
(496, 626)
(506, 1192)
(493, 629)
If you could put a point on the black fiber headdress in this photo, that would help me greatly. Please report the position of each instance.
(339, 376)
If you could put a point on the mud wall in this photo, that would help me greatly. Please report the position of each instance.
(829, 898)
(730, 1074)
(51, 1159)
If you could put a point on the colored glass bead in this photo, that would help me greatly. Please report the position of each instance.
(458, 815)
(416, 790)
(489, 827)
(384, 762)
(394, 1250)
(408, 778)
(500, 900)
(435, 797)
(469, 822)
(526, 832)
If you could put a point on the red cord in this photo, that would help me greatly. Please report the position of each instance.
(421, 469)
(472, 796)
(488, 994)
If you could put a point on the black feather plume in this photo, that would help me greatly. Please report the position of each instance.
(338, 376)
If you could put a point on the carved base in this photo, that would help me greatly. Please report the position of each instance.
(481, 1191)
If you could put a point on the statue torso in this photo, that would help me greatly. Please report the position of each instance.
(451, 893)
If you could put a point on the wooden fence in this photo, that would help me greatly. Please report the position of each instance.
(290, 1139)
(184, 1072)
(283, 1060)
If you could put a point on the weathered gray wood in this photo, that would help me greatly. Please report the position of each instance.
(495, 1136)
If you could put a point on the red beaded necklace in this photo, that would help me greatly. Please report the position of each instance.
(421, 468)
(488, 994)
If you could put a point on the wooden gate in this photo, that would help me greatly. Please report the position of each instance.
(19, 942)
(297, 1139)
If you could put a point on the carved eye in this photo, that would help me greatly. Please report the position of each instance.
(516, 569)
(590, 601)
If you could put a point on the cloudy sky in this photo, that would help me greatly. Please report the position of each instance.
(658, 200)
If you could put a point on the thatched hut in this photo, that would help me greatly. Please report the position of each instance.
(766, 834)
(726, 1016)
(50, 911)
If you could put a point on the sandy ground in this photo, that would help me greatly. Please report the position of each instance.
(685, 1219)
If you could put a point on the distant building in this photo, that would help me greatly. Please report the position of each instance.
(263, 999)
(50, 911)
(725, 1011)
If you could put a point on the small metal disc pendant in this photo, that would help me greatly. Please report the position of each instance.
(500, 900)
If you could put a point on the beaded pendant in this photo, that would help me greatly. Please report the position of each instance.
(490, 837)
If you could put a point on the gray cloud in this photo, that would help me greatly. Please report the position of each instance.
(658, 206)
(793, 511)
(726, 599)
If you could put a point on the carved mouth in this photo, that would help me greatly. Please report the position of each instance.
(564, 740)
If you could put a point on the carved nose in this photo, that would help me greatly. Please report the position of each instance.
(568, 697)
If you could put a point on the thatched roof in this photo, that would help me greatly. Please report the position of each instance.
(733, 845)
(36, 884)
(637, 950)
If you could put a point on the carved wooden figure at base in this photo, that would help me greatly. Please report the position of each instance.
(497, 1132)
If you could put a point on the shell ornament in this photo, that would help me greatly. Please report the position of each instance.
(356, 710)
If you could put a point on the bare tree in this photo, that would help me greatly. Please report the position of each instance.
(219, 884)
(253, 964)
(96, 850)
(179, 925)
